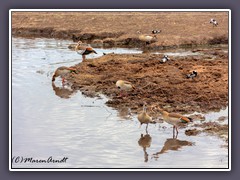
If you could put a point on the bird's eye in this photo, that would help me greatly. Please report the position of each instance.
(118, 87)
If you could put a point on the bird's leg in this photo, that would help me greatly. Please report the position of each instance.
(145, 155)
(147, 128)
(84, 57)
(63, 81)
(125, 94)
(177, 131)
(173, 132)
(121, 93)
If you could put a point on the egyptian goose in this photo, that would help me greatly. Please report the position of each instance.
(156, 31)
(147, 38)
(62, 72)
(124, 86)
(144, 118)
(164, 59)
(84, 49)
(174, 119)
(214, 22)
(192, 75)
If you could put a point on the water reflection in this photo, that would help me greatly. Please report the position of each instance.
(145, 142)
(124, 113)
(172, 144)
(63, 91)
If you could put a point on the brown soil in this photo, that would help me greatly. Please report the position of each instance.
(120, 28)
(165, 84)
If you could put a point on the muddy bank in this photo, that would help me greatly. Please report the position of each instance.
(107, 29)
(212, 128)
(163, 84)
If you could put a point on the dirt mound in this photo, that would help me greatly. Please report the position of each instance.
(163, 84)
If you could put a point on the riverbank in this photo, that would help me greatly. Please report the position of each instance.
(108, 29)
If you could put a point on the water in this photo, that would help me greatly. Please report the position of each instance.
(49, 121)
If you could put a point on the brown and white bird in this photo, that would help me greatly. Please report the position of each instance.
(144, 118)
(84, 49)
(156, 31)
(147, 38)
(192, 75)
(124, 86)
(164, 59)
(214, 22)
(62, 72)
(174, 119)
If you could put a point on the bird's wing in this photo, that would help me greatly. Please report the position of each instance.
(89, 49)
(81, 51)
(181, 117)
(127, 82)
(82, 46)
(71, 69)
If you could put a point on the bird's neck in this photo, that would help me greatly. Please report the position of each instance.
(144, 108)
(164, 113)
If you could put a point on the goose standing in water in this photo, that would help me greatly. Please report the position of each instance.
(174, 119)
(144, 118)
(124, 86)
(62, 72)
(84, 49)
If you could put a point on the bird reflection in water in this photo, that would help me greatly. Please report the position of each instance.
(172, 144)
(63, 91)
(124, 113)
(145, 142)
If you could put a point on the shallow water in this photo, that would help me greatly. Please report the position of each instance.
(48, 120)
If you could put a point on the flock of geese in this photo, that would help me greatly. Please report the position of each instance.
(124, 86)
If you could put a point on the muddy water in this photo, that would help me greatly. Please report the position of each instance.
(49, 120)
